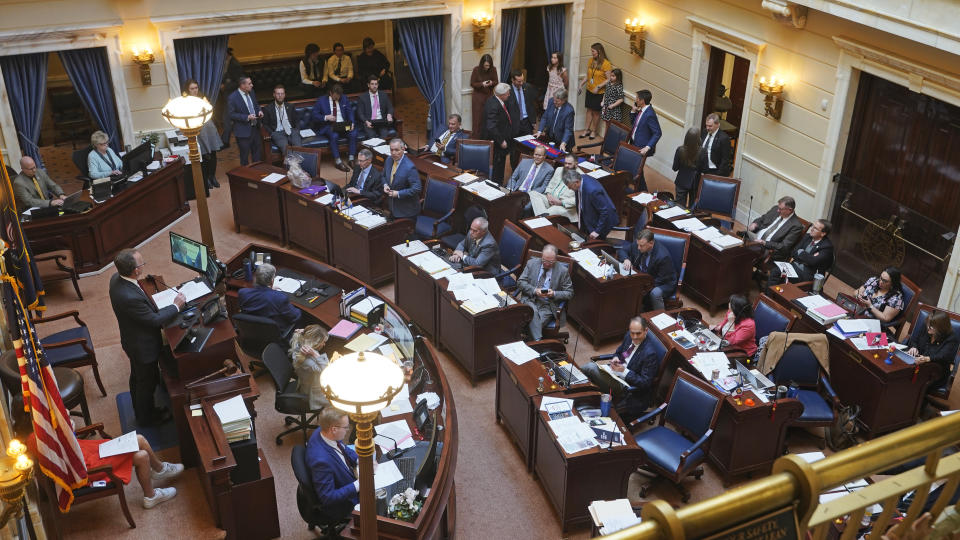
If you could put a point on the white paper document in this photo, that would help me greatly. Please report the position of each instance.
(386, 474)
(672, 212)
(690, 224)
(708, 234)
(524, 138)
(550, 400)
(470, 292)
(517, 352)
(445, 273)
(858, 326)
(484, 190)
(599, 173)
(273, 178)
(465, 178)
(643, 197)
(324, 199)
(123, 444)
(374, 142)
(459, 281)
(612, 516)
(786, 269)
(536, 223)
(307, 133)
(481, 304)
(706, 363)
(588, 165)
(410, 248)
(287, 285)
(400, 404)
(488, 285)
(438, 164)
(429, 262)
(191, 289)
(383, 149)
(810, 457)
(813, 302)
(154, 165)
(663, 320)
(398, 430)
(615, 375)
(725, 241)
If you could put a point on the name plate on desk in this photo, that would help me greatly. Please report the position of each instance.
(777, 525)
(347, 225)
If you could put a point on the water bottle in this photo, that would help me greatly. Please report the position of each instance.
(248, 270)
(818, 280)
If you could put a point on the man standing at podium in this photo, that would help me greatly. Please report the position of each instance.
(401, 184)
(140, 324)
(333, 466)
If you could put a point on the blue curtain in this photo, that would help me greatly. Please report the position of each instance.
(509, 33)
(25, 76)
(422, 42)
(554, 20)
(202, 59)
(89, 72)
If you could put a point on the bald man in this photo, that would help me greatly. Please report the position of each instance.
(33, 187)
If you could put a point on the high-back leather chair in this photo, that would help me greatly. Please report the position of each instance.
(938, 394)
(439, 202)
(308, 504)
(718, 195)
(677, 244)
(311, 159)
(453, 239)
(628, 158)
(911, 297)
(615, 134)
(79, 158)
(513, 244)
(475, 155)
(771, 317)
(288, 399)
(798, 365)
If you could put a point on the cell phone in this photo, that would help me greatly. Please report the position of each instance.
(99, 483)
(544, 291)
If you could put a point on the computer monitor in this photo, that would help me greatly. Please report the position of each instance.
(396, 329)
(611, 260)
(195, 256)
(428, 467)
(138, 158)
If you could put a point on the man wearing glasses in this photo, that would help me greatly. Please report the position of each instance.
(814, 254)
(779, 229)
(333, 466)
(140, 324)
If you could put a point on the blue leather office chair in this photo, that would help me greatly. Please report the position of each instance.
(439, 201)
(676, 452)
(311, 159)
(72, 347)
(911, 297)
(798, 365)
(718, 195)
(630, 233)
(308, 504)
(453, 239)
(771, 317)
(513, 244)
(628, 158)
(919, 326)
(615, 134)
(678, 244)
(475, 155)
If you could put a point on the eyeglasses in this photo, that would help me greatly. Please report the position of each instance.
(144, 263)
(342, 427)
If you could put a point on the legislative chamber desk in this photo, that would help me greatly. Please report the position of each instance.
(438, 516)
(890, 396)
(746, 440)
(279, 211)
(416, 292)
(601, 307)
(130, 217)
(712, 275)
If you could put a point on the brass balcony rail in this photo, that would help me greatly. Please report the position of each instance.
(796, 484)
(893, 227)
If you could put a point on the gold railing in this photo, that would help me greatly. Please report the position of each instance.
(794, 483)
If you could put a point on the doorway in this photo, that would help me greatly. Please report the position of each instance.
(725, 91)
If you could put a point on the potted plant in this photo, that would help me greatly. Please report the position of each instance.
(405, 506)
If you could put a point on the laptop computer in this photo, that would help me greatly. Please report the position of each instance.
(573, 236)
(612, 261)
(193, 340)
(749, 378)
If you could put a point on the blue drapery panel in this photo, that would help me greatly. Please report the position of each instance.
(202, 59)
(89, 72)
(25, 76)
(422, 42)
(554, 25)
(509, 33)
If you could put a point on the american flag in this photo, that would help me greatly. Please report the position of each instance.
(58, 453)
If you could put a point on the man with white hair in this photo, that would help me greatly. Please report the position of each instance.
(478, 248)
(33, 187)
(499, 125)
(263, 300)
(543, 285)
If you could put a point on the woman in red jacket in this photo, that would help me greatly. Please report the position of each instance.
(738, 328)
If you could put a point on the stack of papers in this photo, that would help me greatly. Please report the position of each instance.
(725, 241)
(410, 248)
(287, 285)
(324, 199)
(573, 434)
(235, 418)
(517, 352)
(374, 142)
(344, 329)
(598, 173)
(663, 320)
(590, 262)
(429, 262)
(690, 224)
(399, 405)
(706, 362)
(364, 217)
(272, 178)
(154, 165)
(618, 377)
(786, 269)
(366, 342)
(386, 475)
(191, 289)
(643, 197)
(465, 178)
(524, 138)
(481, 303)
(459, 281)
(484, 190)
(672, 212)
(588, 165)
(536, 223)
(708, 234)
(393, 434)
(383, 149)
(852, 327)
(822, 310)
(612, 516)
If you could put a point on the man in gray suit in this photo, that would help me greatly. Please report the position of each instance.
(478, 248)
(779, 229)
(33, 187)
(543, 284)
(531, 174)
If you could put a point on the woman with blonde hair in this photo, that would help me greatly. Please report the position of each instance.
(102, 161)
(595, 81)
(308, 362)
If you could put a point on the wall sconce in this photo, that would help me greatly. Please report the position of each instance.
(144, 58)
(15, 474)
(637, 32)
(773, 96)
(480, 25)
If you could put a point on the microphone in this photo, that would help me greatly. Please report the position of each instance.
(397, 451)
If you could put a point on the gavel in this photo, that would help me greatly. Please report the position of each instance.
(229, 368)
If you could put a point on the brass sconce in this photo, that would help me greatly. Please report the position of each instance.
(637, 32)
(480, 25)
(144, 58)
(15, 474)
(772, 96)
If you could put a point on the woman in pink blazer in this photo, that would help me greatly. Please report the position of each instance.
(738, 327)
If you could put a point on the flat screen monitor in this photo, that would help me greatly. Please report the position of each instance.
(195, 256)
(396, 329)
(428, 467)
(138, 158)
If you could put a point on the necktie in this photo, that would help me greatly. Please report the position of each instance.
(773, 226)
(629, 352)
(376, 106)
(543, 278)
(246, 99)
(556, 115)
(636, 125)
(337, 70)
(523, 105)
(529, 179)
(644, 262)
(335, 113)
(363, 178)
(39, 191)
(343, 454)
(393, 171)
(504, 105)
(443, 142)
(282, 124)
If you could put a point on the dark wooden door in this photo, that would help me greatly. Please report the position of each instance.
(534, 52)
(734, 90)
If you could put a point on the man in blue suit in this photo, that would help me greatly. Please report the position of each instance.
(263, 301)
(557, 121)
(649, 257)
(646, 129)
(333, 466)
(531, 174)
(245, 114)
(332, 114)
(401, 183)
(445, 146)
(597, 213)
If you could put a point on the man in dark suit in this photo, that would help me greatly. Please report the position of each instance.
(478, 248)
(228, 85)
(813, 255)
(597, 213)
(499, 127)
(243, 110)
(637, 363)
(646, 129)
(445, 146)
(557, 121)
(263, 300)
(649, 257)
(779, 229)
(333, 466)
(367, 180)
(332, 118)
(281, 120)
(375, 112)
(543, 285)
(401, 183)
(140, 323)
(716, 143)
(523, 98)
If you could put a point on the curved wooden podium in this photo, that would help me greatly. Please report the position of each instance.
(437, 519)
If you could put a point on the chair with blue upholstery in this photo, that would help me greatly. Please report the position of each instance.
(615, 134)
(513, 243)
(453, 239)
(911, 297)
(799, 366)
(311, 159)
(678, 244)
(439, 201)
(628, 158)
(72, 347)
(677, 451)
(475, 155)
(937, 395)
(718, 195)
(630, 233)
(619, 390)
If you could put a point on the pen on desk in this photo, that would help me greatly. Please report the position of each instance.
(310, 301)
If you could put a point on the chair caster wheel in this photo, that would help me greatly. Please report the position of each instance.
(288, 421)
(566, 341)
(279, 441)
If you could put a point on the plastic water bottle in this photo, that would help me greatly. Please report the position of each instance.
(818, 280)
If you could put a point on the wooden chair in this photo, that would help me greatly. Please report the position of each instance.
(72, 347)
(58, 266)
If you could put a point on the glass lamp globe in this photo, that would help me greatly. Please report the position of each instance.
(187, 112)
(361, 382)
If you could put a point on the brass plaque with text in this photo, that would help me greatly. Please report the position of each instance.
(777, 525)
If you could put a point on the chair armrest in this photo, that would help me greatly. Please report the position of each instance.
(440, 220)
(292, 403)
(48, 257)
(700, 442)
(507, 272)
(69, 343)
(580, 147)
(98, 428)
(649, 416)
(75, 314)
(683, 270)
(602, 357)
(619, 228)
(829, 389)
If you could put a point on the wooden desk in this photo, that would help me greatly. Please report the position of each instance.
(362, 252)
(256, 204)
(416, 292)
(890, 396)
(307, 222)
(125, 220)
(746, 440)
(573, 481)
